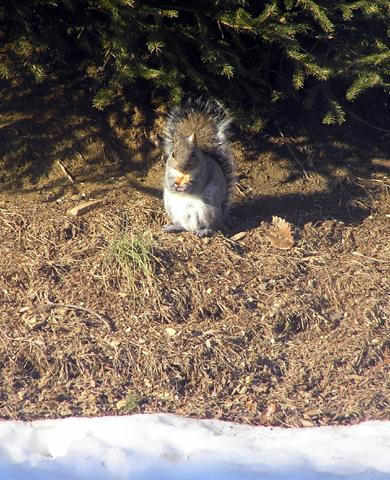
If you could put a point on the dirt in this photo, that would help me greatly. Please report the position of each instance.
(230, 327)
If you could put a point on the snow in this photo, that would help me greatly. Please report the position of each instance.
(168, 447)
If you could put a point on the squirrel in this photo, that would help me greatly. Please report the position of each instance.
(200, 171)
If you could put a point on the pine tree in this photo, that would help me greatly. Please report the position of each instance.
(247, 53)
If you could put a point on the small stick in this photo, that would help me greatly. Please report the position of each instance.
(79, 308)
(293, 154)
(66, 172)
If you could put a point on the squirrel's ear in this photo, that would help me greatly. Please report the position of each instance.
(192, 139)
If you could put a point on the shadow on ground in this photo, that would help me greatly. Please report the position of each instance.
(43, 124)
(297, 169)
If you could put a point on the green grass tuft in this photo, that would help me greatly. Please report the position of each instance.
(130, 253)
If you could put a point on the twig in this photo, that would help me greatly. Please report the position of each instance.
(81, 309)
(373, 180)
(8, 125)
(220, 29)
(79, 154)
(358, 254)
(236, 27)
(292, 153)
(8, 212)
(359, 119)
(66, 172)
(18, 339)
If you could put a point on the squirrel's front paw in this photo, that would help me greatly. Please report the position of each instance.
(204, 232)
(172, 228)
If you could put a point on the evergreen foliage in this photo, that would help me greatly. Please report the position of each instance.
(247, 53)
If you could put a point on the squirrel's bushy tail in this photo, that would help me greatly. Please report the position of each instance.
(210, 122)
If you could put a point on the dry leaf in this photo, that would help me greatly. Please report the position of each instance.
(251, 406)
(269, 411)
(280, 234)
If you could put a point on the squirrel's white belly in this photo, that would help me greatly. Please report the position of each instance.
(188, 211)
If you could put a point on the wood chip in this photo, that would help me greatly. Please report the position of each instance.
(121, 404)
(171, 332)
(238, 236)
(66, 412)
(306, 423)
(84, 207)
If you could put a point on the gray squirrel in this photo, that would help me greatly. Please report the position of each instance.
(200, 171)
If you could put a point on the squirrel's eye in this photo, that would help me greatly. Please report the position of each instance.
(172, 156)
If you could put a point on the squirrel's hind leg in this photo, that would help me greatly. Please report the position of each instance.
(172, 228)
(204, 232)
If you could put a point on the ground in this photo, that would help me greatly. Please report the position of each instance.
(106, 314)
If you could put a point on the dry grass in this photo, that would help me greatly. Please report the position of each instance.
(105, 314)
(97, 319)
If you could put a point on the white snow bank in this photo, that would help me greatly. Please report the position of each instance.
(167, 447)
